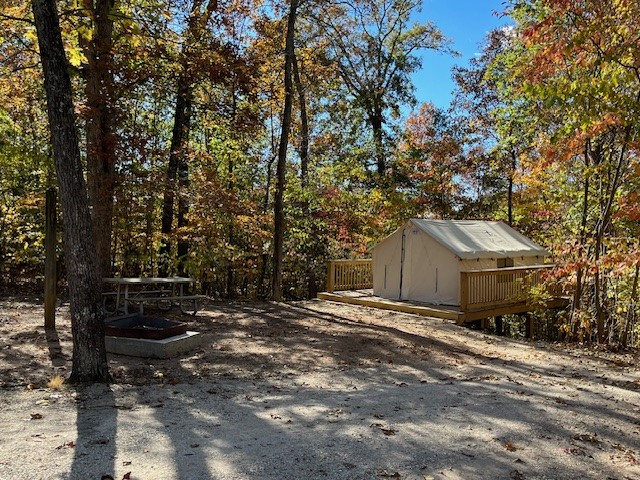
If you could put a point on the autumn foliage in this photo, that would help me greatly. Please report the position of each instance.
(543, 133)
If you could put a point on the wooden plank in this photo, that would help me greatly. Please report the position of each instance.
(330, 276)
(464, 290)
(349, 274)
(376, 302)
(50, 275)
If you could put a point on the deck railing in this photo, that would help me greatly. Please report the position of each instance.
(349, 275)
(499, 286)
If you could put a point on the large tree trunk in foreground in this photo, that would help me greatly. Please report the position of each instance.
(89, 355)
(101, 139)
(278, 209)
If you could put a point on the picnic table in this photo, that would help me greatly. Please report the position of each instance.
(161, 292)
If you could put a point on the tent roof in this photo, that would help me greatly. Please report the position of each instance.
(471, 239)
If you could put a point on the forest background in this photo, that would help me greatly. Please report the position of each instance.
(245, 143)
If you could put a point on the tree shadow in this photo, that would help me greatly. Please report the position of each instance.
(96, 426)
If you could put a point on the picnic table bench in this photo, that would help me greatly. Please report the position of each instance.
(161, 292)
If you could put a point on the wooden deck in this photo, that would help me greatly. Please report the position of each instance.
(366, 298)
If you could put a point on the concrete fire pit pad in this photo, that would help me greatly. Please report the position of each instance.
(148, 348)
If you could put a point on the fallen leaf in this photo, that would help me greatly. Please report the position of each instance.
(510, 446)
(70, 444)
(384, 473)
(585, 437)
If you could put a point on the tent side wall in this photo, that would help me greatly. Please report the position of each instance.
(386, 266)
(431, 273)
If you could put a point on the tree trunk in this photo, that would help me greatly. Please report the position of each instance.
(601, 230)
(376, 120)
(101, 138)
(183, 211)
(278, 214)
(89, 355)
(180, 134)
(512, 172)
(230, 186)
(178, 166)
(626, 329)
(231, 233)
(303, 151)
(577, 295)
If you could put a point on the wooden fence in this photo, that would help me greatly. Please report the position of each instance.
(500, 286)
(349, 275)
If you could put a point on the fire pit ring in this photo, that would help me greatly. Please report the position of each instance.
(135, 325)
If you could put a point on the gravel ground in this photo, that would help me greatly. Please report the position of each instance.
(316, 390)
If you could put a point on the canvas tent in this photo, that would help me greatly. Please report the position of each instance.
(422, 260)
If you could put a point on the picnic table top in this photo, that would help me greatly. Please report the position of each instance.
(147, 280)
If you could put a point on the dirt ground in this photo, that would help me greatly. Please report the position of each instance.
(317, 390)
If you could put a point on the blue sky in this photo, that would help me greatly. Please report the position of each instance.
(466, 22)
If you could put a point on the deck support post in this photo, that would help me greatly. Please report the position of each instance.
(50, 276)
(528, 326)
(499, 326)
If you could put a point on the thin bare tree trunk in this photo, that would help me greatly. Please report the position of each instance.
(303, 152)
(279, 220)
(577, 295)
(178, 166)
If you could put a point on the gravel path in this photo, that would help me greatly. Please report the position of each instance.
(315, 390)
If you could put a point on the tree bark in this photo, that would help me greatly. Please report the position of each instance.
(376, 120)
(180, 134)
(577, 294)
(178, 166)
(303, 152)
(101, 138)
(89, 355)
(278, 213)
(514, 164)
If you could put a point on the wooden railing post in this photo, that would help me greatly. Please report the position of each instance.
(464, 291)
(331, 276)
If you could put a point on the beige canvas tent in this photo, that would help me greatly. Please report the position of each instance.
(422, 260)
